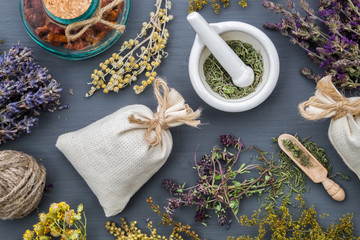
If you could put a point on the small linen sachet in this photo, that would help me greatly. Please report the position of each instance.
(119, 153)
(344, 129)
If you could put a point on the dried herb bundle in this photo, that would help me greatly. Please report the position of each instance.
(221, 82)
(126, 232)
(280, 223)
(196, 5)
(142, 54)
(222, 184)
(330, 38)
(26, 90)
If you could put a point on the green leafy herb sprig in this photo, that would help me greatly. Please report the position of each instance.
(222, 183)
(299, 155)
(130, 231)
(221, 82)
(281, 223)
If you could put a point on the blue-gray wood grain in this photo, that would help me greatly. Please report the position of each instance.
(278, 114)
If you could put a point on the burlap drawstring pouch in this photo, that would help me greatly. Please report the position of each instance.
(344, 129)
(119, 153)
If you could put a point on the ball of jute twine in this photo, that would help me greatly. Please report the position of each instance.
(22, 183)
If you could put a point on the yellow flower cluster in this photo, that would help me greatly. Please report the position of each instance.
(131, 232)
(196, 5)
(280, 224)
(143, 54)
(243, 3)
(60, 221)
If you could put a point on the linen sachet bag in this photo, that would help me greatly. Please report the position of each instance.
(344, 129)
(119, 153)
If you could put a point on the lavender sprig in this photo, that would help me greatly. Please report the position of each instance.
(26, 89)
(336, 49)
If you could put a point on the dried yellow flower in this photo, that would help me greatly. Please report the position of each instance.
(196, 5)
(138, 55)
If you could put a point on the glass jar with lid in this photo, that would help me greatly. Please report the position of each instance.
(74, 29)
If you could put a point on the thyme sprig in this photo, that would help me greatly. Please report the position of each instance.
(221, 82)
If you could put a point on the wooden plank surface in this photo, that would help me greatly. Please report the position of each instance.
(278, 114)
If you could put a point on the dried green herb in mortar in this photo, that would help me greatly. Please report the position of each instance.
(220, 81)
(297, 153)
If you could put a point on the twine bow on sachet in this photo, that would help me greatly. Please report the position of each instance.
(328, 102)
(171, 112)
(96, 18)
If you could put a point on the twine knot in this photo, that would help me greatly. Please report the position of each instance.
(171, 111)
(96, 18)
(342, 108)
(328, 102)
(159, 118)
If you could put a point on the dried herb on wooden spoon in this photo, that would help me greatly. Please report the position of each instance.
(297, 153)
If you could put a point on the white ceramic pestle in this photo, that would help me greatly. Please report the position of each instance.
(241, 74)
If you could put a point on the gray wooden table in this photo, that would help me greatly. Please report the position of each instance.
(276, 115)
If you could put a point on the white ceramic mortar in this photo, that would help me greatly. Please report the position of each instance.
(246, 33)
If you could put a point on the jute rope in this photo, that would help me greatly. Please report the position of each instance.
(339, 107)
(97, 18)
(22, 182)
(161, 120)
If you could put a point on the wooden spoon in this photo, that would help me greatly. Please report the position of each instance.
(317, 172)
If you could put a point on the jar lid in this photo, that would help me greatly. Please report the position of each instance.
(70, 11)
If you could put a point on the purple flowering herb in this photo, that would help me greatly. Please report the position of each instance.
(330, 38)
(227, 140)
(26, 90)
(171, 186)
(221, 182)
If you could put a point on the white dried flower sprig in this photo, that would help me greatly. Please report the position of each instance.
(144, 54)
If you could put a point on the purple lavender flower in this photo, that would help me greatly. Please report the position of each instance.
(329, 48)
(26, 89)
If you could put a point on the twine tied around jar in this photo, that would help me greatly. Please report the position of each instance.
(330, 103)
(97, 18)
(172, 111)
